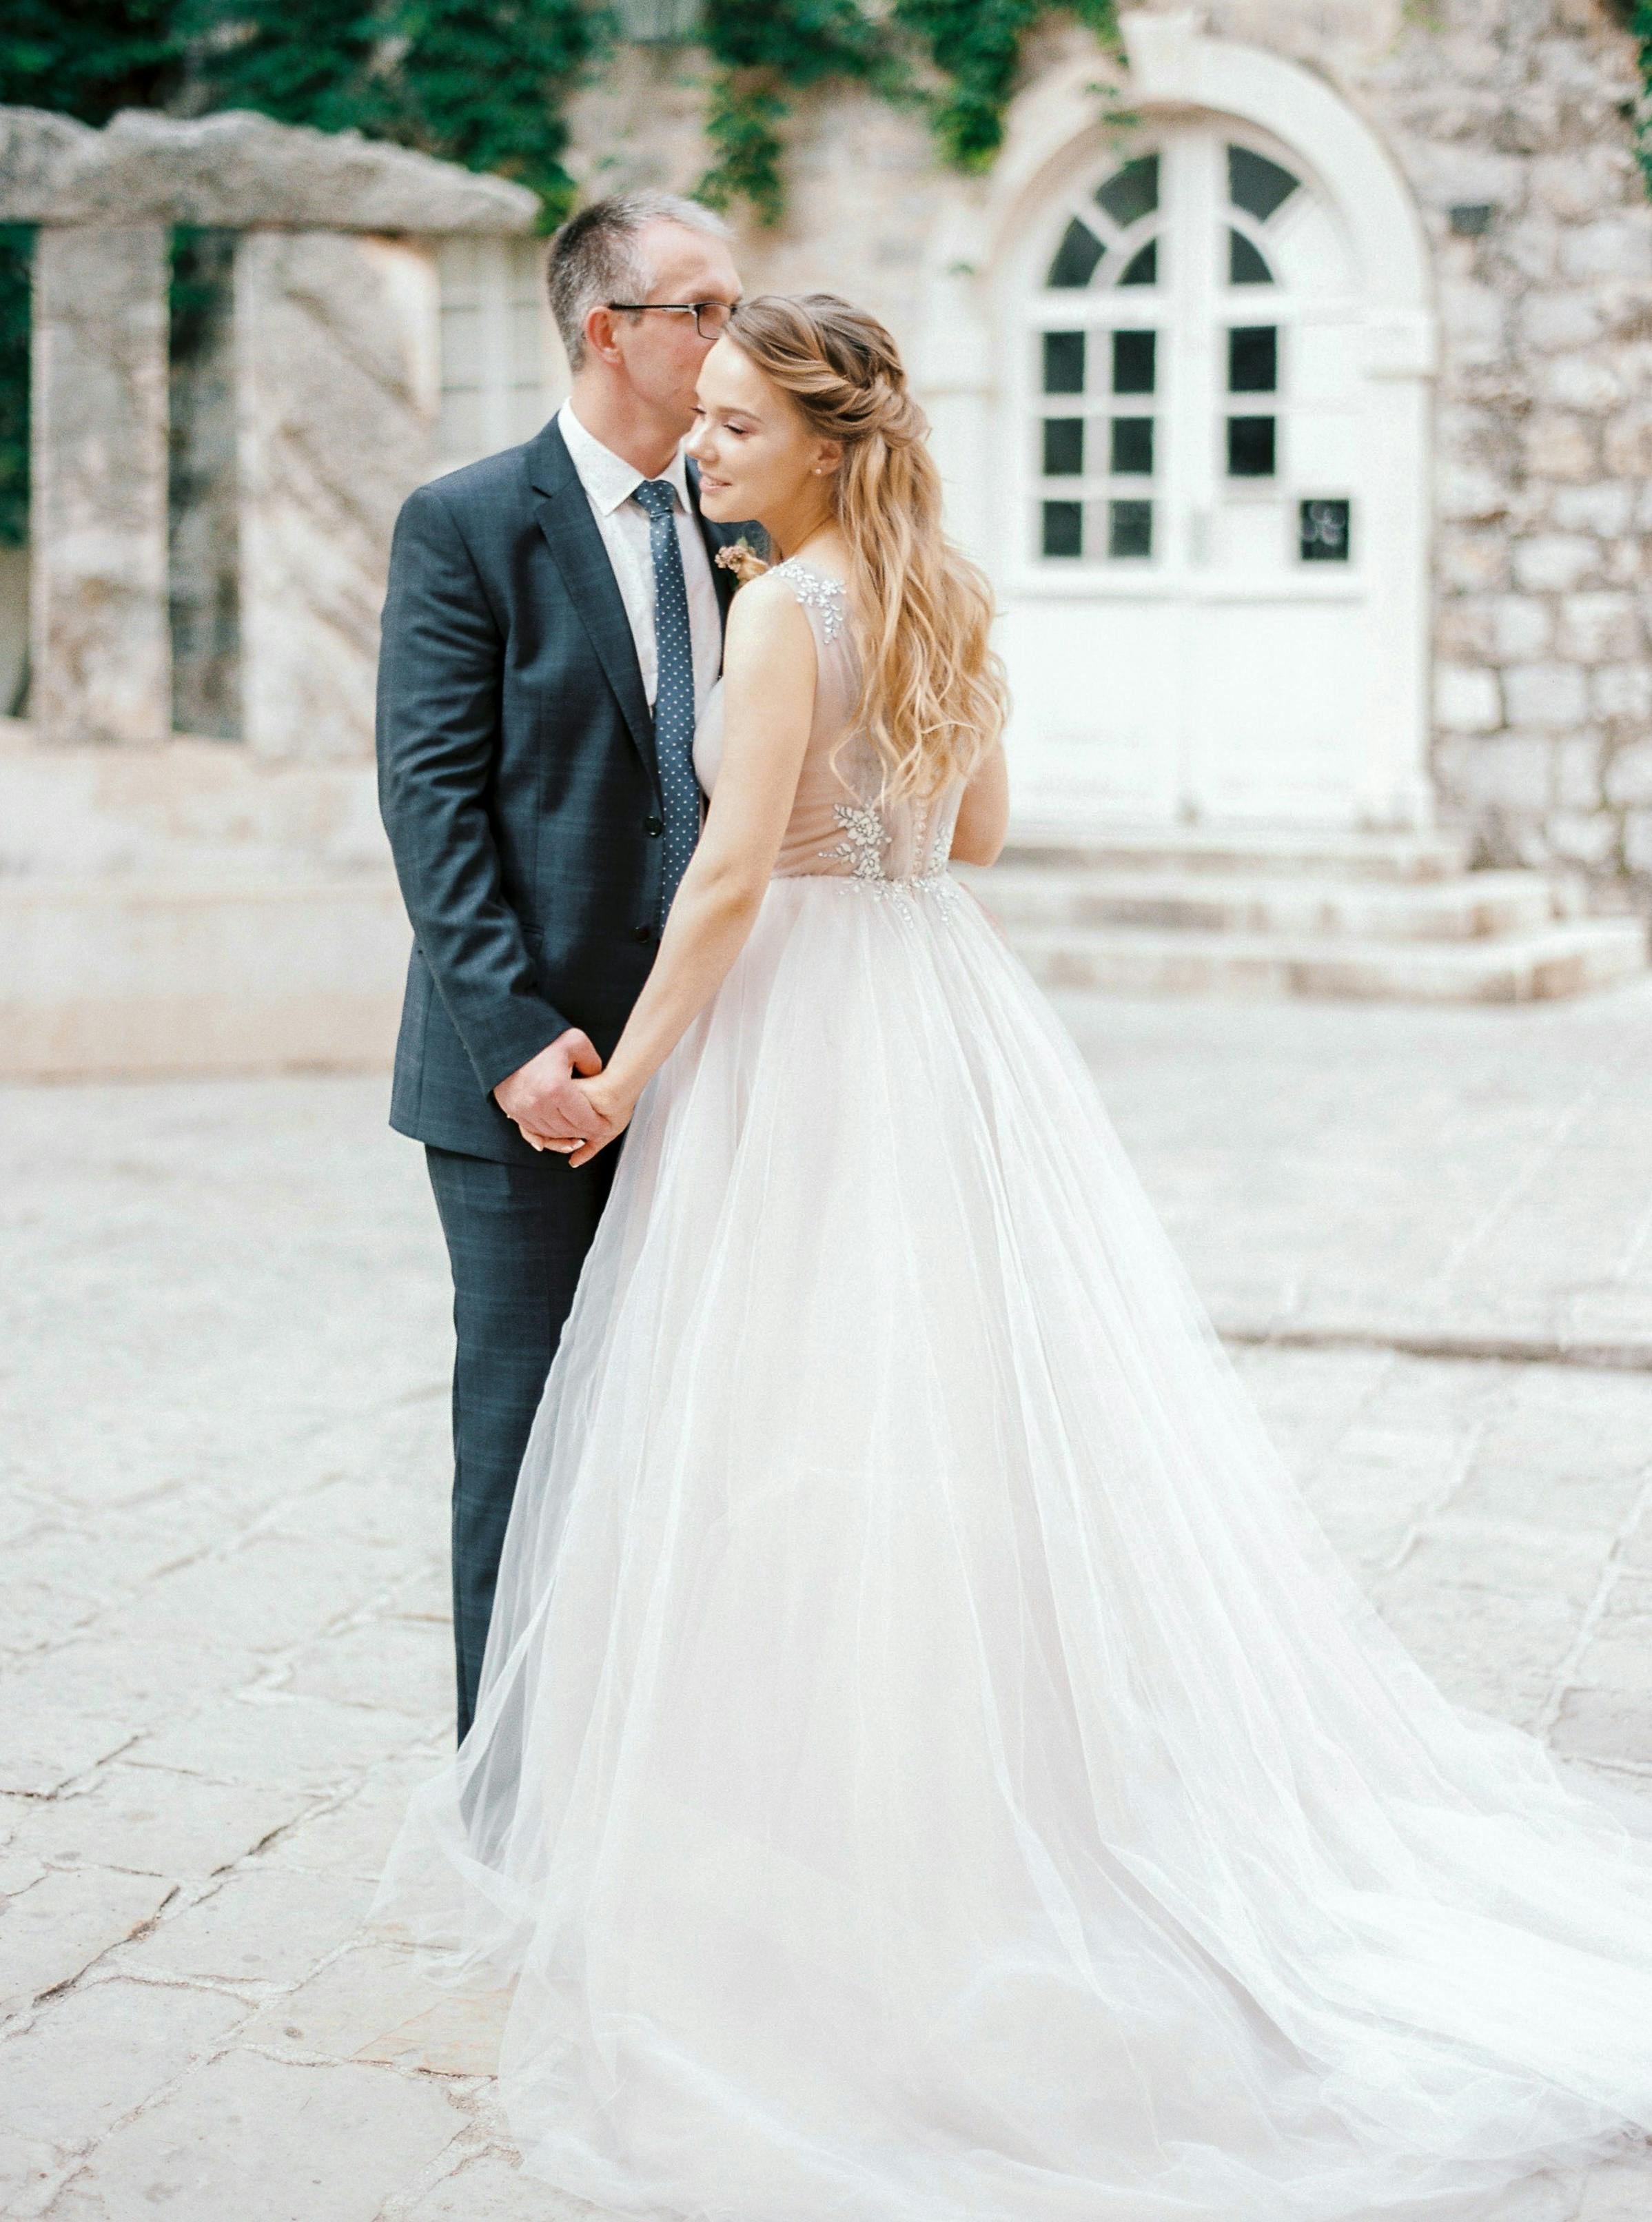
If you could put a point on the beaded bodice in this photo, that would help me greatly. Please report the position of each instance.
(838, 826)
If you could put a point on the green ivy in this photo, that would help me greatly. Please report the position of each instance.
(485, 83)
(480, 82)
(959, 59)
(1638, 14)
(975, 47)
(16, 249)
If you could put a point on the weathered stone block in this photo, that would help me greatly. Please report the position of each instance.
(1509, 771)
(1463, 630)
(1583, 837)
(1624, 563)
(1637, 840)
(1547, 322)
(1576, 770)
(1532, 244)
(1555, 444)
(1629, 442)
(1465, 698)
(235, 169)
(1553, 561)
(1609, 247)
(1629, 773)
(335, 343)
(1469, 492)
(1577, 185)
(1583, 382)
(1468, 561)
(1603, 508)
(1475, 318)
(1549, 697)
(1521, 627)
(98, 629)
(1600, 628)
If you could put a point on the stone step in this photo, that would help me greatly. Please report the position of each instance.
(1564, 958)
(1251, 849)
(1467, 906)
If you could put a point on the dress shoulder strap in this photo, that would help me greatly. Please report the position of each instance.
(827, 596)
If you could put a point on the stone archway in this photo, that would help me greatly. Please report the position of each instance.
(1228, 621)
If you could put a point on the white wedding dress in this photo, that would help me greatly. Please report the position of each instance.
(931, 1765)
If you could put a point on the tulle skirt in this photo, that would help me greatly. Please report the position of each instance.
(931, 1765)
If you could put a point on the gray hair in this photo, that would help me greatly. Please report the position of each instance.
(595, 257)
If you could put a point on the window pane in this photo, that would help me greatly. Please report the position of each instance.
(1142, 268)
(1246, 266)
(1323, 531)
(1256, 184)
(1063, 362)
(1133, 446)
(1077, 256)
(1132, 191)
(1129, 528)
(1064, 528)
(1133, 361)
(1064, 446)
(1250, 447)
(1253, 359)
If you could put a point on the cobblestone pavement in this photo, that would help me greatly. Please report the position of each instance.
(225, 1656)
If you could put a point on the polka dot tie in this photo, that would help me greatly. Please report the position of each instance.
(674, 692)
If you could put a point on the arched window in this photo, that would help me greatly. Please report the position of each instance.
(1145, 371)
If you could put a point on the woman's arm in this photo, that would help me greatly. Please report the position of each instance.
(768, 672)
(983, 814)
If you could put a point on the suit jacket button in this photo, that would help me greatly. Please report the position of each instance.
(653, 825)
(642, 933)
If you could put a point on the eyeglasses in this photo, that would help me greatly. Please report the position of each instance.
(711, 317)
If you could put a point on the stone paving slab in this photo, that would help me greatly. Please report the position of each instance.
(1471, 1180)
(224, 1662)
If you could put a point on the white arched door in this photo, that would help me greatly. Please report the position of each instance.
(1211, 507)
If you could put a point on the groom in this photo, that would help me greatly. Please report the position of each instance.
(553, 623)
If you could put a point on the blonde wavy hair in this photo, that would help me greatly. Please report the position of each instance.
(932, 699)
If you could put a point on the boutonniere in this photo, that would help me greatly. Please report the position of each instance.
(743, 559)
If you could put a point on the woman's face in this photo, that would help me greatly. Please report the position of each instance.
(756, 456)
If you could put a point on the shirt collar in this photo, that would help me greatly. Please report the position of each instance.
(608, 479)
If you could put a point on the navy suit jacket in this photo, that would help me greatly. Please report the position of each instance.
(518, 782)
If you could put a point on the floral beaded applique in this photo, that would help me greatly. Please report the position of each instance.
(817, 592)
(863, 842)
(865, 838)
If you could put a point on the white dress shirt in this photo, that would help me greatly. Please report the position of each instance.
(609, 482)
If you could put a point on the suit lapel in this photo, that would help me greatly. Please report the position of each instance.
(564, 517)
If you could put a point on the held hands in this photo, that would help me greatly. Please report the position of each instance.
(553, 1108)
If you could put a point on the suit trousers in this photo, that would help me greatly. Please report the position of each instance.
(516, 1237)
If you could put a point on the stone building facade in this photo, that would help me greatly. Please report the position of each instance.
(1491, 278)
(1290, 372)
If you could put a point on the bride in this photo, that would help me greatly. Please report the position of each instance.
(931, 1767)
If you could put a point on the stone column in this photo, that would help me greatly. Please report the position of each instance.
(337, 384)
(99, 641)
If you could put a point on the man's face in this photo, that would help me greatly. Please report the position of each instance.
(661, 354)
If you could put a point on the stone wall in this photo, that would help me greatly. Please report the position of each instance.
(1513, 122)
(1518, 115)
